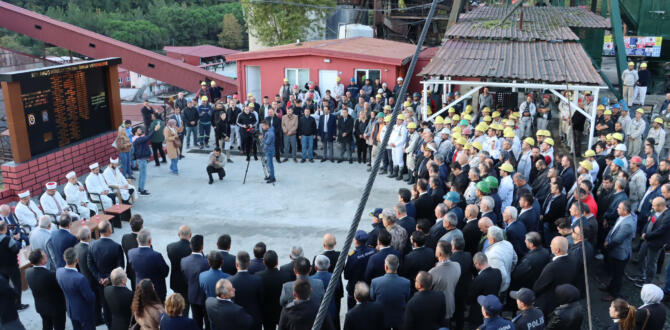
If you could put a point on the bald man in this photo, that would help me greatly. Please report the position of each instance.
(655, 234)
(561, 270)
(176, 251)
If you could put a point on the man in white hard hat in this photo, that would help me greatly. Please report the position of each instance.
(26, 210)
(115, 180)
(75, 194)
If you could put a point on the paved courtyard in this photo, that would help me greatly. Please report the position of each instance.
(307, 201)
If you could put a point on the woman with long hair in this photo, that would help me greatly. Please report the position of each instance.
(623, 315)
(146, 306)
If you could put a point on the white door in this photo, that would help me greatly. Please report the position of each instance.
(327, 81)
(253, 82)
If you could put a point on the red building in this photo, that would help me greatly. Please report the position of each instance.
(124, 78)
(197, 55)
(261, 72)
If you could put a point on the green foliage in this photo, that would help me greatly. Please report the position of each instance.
(276, 24)
(231, 35)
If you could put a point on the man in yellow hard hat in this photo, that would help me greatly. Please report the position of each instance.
(644, 77)
(629, 78)
(412, 144)
(658, 134)
(203, 91)
(214, 92)
(397, 142)
(285, 91)
(635, 135)
(338, 90)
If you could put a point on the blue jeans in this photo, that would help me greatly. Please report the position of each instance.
(173, 165)
(124, 158)
(142, 165)
(290, 144)
(191, 132)
(268, 161)
(307, 146)
(204, 133)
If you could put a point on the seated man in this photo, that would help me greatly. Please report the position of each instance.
(95, 184)
(26, 210)
(12, 224)
(115, 180)
(53, 203)
(75, 194)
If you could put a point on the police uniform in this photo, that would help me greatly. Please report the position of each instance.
(357, 261)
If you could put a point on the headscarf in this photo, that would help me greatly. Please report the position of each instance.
(651, 294)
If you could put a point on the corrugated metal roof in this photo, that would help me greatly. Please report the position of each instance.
(531, 30)
(552, 16)
(200, 51)
(551, 62)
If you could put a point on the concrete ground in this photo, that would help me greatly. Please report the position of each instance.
(307, 201)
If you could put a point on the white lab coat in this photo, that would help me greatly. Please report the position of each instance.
(114, 178)
(95, 183)
(74, 196)
(25, 216)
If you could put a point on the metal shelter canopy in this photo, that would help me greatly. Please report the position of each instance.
(554, 88)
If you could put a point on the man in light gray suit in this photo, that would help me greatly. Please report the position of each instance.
(392, 292)
(40, 236)
(618, 245)
(301, 268)
(445, 275)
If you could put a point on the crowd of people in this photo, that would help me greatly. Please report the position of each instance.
(494, 232)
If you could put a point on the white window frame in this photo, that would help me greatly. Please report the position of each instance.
(296, 77)
(367, 74)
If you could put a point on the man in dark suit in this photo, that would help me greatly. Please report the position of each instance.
(49, 298)
(552, 209)
(104, 256)
(223, 313)
(301, 269)
(9, 267)
(531, 265)
(275, 122)
(257, 264)
(421, 258)
(148, 263)
(223, 244)
(327, 132)
(249, 289)
(406, 222)
(392, 292)
(119, 299)
(464, 259)
(528, 215)
(191, 267)
(424, 203)
(79, 298)
(176, 251)
(345, 134)
(487, 281)
(427, 308)
(329, 251)
(287, 269)
(129, 242)
(567, 174)
(62, 239)
(366, 314)
(9, 316)
(656, 235)
(83, 250)
(301, 313)
(471, 232)
(375, 267)
(515, 231)
(272, 280)
(561, 270)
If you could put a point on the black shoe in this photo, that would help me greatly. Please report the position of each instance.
(303, 160)
(144, 192)
(158, 165)
(323, 160)
(164, 161)
(211, 181)
(201, 146)
(21, 307)
(131, 177)
(278, 161)
(181, 157)
(351, 161)
(221, 178)
(332, 160)
(295, 160)
(230, 160)
(311, 160)
(266, 178)
(248, 158)
(339, 161)
(255, 157)
(286, 159)
(272, 180)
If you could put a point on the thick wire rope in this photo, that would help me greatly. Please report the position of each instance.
(339, 266)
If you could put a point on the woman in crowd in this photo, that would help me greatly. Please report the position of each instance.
(172, 143)
(146, 306)
(623, 315)
(158, 138)
(173, 319)
(651, 315)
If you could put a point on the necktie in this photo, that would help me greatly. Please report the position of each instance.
(57, 205)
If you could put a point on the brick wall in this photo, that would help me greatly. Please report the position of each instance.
(35, 173)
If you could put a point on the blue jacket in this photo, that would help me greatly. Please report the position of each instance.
(392, 292)
(611, 214)
(150, 264)
(142, 149)
(531, 219)
(324, 277)
(104, 256)
(619, 239)
(516, 234)
(205, 113)
(208, 281)
(375, 265)
(332, 127)
(61, 239)
(191, 266)
(645, 210)
(357, 261)
(269, 142)
(79, 298)
(176, 323)
(496, 323)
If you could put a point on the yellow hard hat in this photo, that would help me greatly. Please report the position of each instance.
(486, 109)
(204, 98)
(447, 120)
(455, 135)
(468, 108)
(546, 133)
(406, 104)
(477, 145)
(608, 137)
(401, 117)
(618, 136)
(514, 115)
(285, 79)
(387, 118)
(250, 95)
(203, 84)
(509, 122)
(507, 167)
(495, 114)
(456, 129)
(549, 141)
(387, 107)
(411, 125)
(481, 128)
(452, 109)
(586, 165)
(467, 146)
(338, 79)
(640, 110)
(467, 117)
(379, 96)
(509, 134)
(213, 83)
(487, 118)
(631, 64)
(608, 112)
(461, 140)
(658, 120)
(643, 65)
(601, 107)
(251, 105)
(530, 141)
(439, 120)
(589, 153)
(497, 126)
(456, 118)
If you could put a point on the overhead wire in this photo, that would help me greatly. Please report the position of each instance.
(297, 4)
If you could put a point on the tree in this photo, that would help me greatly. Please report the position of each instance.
(277, 24)
(232, 35)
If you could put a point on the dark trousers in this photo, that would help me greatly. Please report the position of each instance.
(14, 275)
(389, 159)
(616, 268)
(53, 321)
(351, 302)
(361, 149)
(200, 316)
(348, 148)
(248, 144)
(83, 325)
(106, 313)
(157, 147)
(211, 169)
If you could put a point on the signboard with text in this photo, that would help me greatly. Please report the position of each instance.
(635, 46)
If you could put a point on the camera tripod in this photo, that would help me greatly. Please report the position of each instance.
(259, 146)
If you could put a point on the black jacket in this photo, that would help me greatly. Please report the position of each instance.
(471, 235)
(345, 126)
(424, 208)
(575, 251)
(82, 250)
(568, 316)
(49, 298)
(104, 256)
(300, 315)
(306, 126)
(8, 311)
(191, 115)
(222, 129)
(367, 315)
(421, 258)
(556, 209)
(176, 251)
(656, 319)
(249, 295)
(191, 267)
(659, 233)
(272, 280)
(119, 300)
(228, 266)
(464, 259)
(226, 315)
(128, 242)
(287, 269)
(560, 271)
(529, 268)
(487, 282)
(425, 310)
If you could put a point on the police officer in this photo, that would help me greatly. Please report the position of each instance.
(247, 121)
(357, 260)
(529, 317)
(491, 308)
